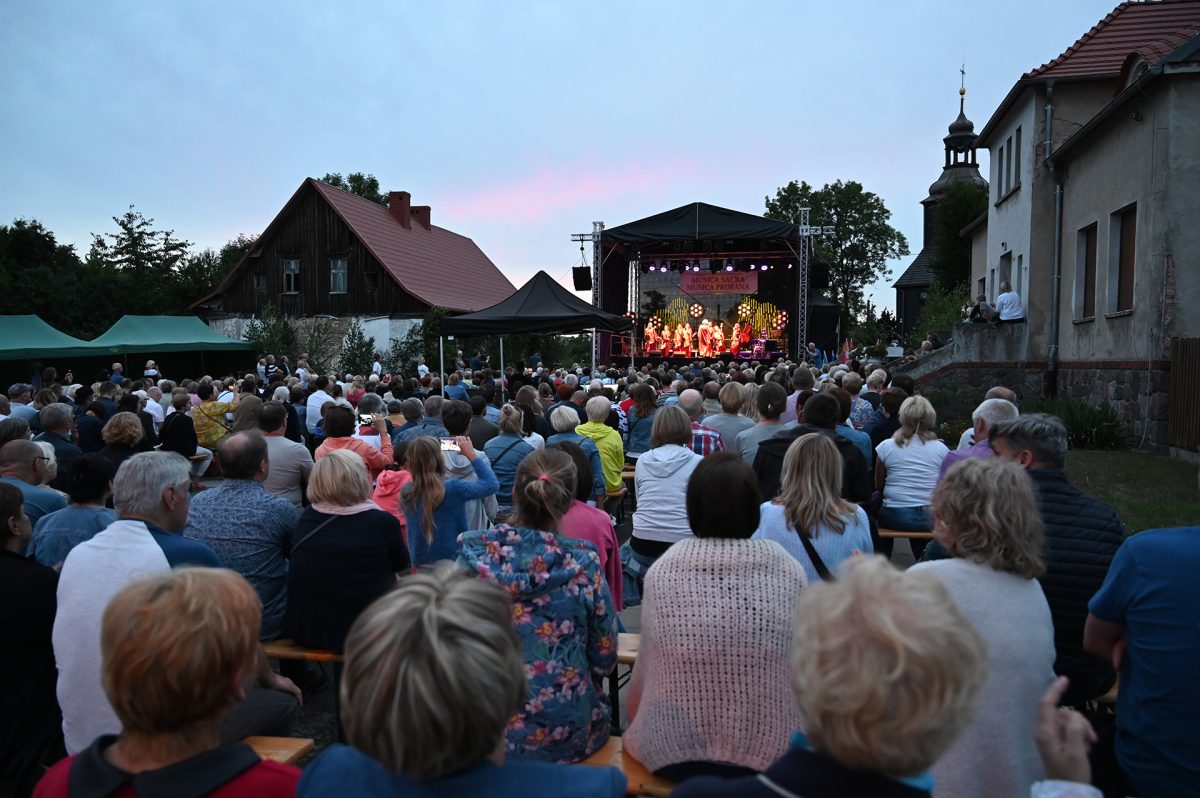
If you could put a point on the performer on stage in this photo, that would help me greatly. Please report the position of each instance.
(652, 340)
(718, 341)
(704, 338)
(735, 339)
(746, 333)
(685, 343)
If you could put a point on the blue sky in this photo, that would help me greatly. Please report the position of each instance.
(520, 123)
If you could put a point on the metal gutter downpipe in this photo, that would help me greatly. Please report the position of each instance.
(1051, 384)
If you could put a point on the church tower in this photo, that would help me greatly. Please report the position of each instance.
(912, 288)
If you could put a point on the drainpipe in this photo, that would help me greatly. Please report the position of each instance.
(1056, 273)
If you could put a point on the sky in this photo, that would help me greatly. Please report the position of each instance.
(520, 123)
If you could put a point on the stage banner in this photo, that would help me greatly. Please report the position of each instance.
(719, 283)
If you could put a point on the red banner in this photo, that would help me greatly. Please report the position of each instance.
(719, 283)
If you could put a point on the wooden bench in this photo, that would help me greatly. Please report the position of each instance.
(640, 781)
(287, 649)
(286, 750)
(627, 651)
(616, 500)
(628, 644)
(884, 532)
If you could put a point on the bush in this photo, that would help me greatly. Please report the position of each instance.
(942, 311)
(1088, 426)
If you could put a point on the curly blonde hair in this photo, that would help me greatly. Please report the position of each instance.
(988, 510)
(123, 428)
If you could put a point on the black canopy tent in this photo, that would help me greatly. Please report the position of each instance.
(539, 306)
(701, 231)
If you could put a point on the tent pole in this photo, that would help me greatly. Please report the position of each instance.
(593, 351)
(442, 363)
(502, 369)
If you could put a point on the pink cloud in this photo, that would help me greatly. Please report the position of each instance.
(537, 196)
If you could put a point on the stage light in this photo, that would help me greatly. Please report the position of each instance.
(789, 265)
(752, 267)
(697, 310)
(728, 268)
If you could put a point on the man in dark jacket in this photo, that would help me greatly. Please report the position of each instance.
(1082, 536)
(821, 415)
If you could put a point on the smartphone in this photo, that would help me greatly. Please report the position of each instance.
(450, 445)
(365, 420)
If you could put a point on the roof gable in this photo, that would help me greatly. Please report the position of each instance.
(698, 221)
(918, 274)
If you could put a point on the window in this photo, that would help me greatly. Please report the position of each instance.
(998, 179)
(338, 269)
(1017, 158)
(1122, 242)
(291, 276)
(1008, 164)
(371, 280)
(1085, 273)
(1005, 270)
(259, 281)
(1019, 277)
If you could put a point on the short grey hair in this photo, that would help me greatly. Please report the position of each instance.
(434, 672)
(994, 411)
(412, 408)
(140, 482)
(1043, 435)
(53, 415)
(433, 406)
(281, 394)
(370, 404)
(564, 419)
(598, 408)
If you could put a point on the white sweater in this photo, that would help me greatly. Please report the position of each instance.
(996, 755)
(712, 681)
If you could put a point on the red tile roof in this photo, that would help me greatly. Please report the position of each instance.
(437, 266)
(1150, 29)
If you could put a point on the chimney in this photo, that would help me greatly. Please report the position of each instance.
(421, 213)
(399, 203)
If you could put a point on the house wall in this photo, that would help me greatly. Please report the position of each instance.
(314, 233)
(1180, 232)
(979, 261)
(1010, 213)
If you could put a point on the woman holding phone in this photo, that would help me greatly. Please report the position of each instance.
(435, 508)
(339, 434)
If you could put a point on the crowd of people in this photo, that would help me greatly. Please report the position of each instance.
(457, 545)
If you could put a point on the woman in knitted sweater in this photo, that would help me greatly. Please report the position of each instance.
(562, 612)
(710, 693)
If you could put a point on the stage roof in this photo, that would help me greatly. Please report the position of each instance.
(541, 306)
(165, 334)
(24, 337)
(700, 221)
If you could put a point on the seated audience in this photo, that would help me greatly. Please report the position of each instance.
(810, 519)
(151, 497)
(428, 424)
(209, 417)
(989, 413)
(819, 414)
(345, 552)
(434, 672)
(640, 416)
(660, 484)
(435, 507)
(123, 434)
(31, 735)
(24, 465)
(176, 650)
(505, 452)
(585, 522)
(565, 421)
(57, 423)
(729, 421)
(247, 527)
(179, 435)
(245, 417)
(340, 428)
(456, 416)
(986, 517)
(906, 472)
(771, 398)
(562, 612)
(62, 530)
(860, 439)
(705, 440)
(607, 440)
(709, 695)
(483, 429)
(1144, 619)
(291, 462)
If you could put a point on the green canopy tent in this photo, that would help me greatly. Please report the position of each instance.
(30, 338)
(166, 334)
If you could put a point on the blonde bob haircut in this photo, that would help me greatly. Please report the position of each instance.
(885, 666)
(989, 514)
(671, 425)
(433, 673)
(173, 645)
(340, 477)
(917, 419)
(811, 493)
(124, 428)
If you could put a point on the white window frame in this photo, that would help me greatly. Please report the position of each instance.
(291, 275)
(339, 268)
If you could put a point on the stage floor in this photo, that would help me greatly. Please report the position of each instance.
(677, 362)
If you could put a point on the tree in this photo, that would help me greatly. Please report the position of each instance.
(862, 242)
(145, 261)
(270, 333)
(363, 185)
(358, 351)
(960, 205)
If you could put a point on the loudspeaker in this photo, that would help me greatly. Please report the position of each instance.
(583, 277)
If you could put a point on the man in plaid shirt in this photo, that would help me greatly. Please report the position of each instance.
(705, 440)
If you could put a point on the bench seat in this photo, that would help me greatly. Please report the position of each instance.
(640, 781)
(286, 750)
(287, 649)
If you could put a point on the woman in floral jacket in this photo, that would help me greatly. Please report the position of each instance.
(562, 611)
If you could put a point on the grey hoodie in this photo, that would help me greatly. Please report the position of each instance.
(480, 512)
(660, 479)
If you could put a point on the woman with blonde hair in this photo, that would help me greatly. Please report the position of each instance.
(121, 435)
(906, 470)
(810, 519)
(562, 612)
(435, 508)
(177, 651)
(434, 673)
(345, 552)
(987, 517)
(750, 402)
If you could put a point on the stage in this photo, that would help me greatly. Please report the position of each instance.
(679, 363)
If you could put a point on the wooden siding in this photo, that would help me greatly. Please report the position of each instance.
(1184, 427)
(313, 232)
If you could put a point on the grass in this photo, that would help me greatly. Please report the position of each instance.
(1148, 491)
